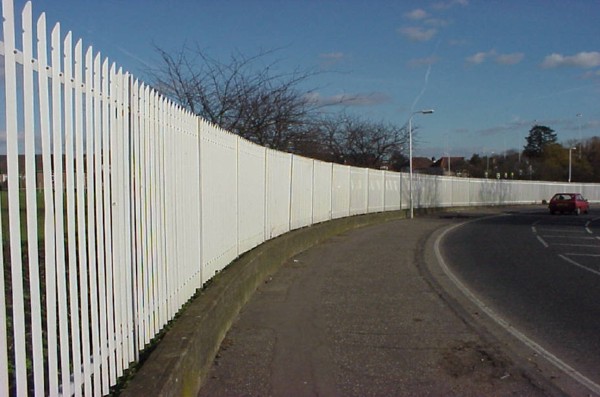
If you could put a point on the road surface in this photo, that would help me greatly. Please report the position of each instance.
(540, 274)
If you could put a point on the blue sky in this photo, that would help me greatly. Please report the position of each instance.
(490, 69)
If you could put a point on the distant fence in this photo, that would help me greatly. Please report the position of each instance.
(134, 203)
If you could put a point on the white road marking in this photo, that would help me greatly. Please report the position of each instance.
(557, 362)
(572, 262)
(545, 244)
(567, 237)
(587, 225)
(578, 245)
(565, 231)
(578, 254)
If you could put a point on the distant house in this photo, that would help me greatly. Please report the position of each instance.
(421, 165)
(452, 166)
(455, 166)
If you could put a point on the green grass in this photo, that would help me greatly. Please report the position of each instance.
(22, 215)
(4, 211)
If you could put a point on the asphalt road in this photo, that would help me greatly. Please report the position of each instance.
(540, 275)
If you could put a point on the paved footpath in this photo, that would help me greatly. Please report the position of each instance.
(359, 315)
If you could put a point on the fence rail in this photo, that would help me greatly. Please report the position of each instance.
(120, 205)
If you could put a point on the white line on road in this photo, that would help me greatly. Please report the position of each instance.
(557, 362)
(572, 262)
(578, 254)
(545, 244)
(564, 231)
(588, 223)
(578, 245)
(567, 237)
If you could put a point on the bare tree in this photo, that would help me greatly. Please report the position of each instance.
(243, 95)
(355, 141)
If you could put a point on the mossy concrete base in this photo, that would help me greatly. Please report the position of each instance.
(182, 359)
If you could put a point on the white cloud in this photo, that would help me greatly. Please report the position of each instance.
(416, 14)
(510, 59)
(444, 5)
(503, 59)
(436, 22)
(478, 58)
(418, 33)
(582, 60)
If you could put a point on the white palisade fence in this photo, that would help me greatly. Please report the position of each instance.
(119, 205)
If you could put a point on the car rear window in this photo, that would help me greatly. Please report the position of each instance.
(563, 197)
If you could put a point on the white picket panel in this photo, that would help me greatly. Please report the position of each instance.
(359, 191)
(147, 310)
(392, 193)
(189, 221)
(419, 195)
(49, 221)
(137, 231)
(125, 108)
(376, 192)
(301, 192)
(251, 194)
(172, 203)
(460, 192)
(322, 194)
(82, 228)
(340, 191)
(147, 307)
(91, 356)
(31, 201)
(444, 192)
(219, 198)
(422, 196)
(279, 184)
(12, 147)
(182, 220)
(158, 151)
(73, 284)
(404, 190)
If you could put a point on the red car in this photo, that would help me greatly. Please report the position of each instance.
(568, 202)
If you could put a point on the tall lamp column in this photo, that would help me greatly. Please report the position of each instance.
(410, 157)
(570, 157)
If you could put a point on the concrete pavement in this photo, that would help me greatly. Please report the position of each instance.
(362, 314)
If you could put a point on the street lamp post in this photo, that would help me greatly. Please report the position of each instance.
(410, 157)
(579, 128)
(570, 156)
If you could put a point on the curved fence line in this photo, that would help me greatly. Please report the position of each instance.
(118, 205)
